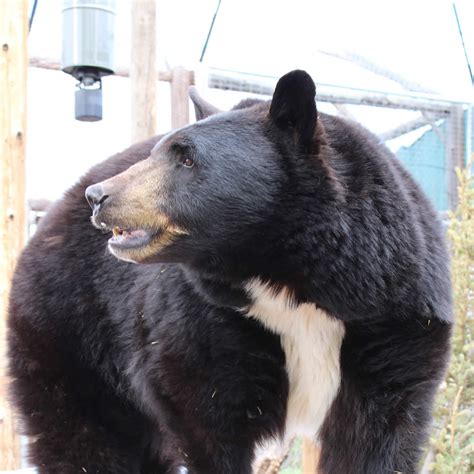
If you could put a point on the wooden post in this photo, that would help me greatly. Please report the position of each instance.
(13, 69)
(455, 152)
(143, 72)
(310, 457)
(181, 79)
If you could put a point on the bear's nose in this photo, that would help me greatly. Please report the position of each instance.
(95, 195)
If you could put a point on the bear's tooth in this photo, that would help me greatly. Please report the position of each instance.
(116, 231)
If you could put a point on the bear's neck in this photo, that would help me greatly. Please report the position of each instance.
(287, 253)
(226, 284)
(218, 290)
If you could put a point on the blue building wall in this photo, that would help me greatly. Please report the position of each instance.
(426, 161)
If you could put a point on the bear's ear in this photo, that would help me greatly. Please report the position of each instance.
(202, 108)
(293, 106)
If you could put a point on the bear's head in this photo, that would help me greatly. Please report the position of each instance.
(223, 190)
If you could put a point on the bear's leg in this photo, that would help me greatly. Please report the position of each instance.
(76, 422)
(219, 457)
(215, 440)
(380, 418)
(358, 439)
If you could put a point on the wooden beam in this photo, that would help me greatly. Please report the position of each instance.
(180, 81)
(53, 65)
(225, 80)
(143, 73)
(13, 69)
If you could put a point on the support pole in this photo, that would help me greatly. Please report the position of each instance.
(181, 79)
(455, 152)
(13, 69)
(143, 73)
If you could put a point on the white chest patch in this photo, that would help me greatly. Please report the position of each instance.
(312, 343)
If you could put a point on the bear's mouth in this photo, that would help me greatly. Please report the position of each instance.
(139, 244)
(130, 238)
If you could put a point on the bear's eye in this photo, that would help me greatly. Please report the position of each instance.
(183, 153)
(187, 162)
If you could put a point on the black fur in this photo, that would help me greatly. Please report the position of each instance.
(293, 109)
(122, 368)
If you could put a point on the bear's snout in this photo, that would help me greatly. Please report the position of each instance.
(95, 196)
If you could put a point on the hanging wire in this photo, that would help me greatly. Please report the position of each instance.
(463, 45)
(209, 32)
(32, 16)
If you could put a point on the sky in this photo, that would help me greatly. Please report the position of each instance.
(416, 39)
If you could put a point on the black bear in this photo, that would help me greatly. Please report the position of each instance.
(271, 271)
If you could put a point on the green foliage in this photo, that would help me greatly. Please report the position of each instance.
(292, 464)
(453, 440)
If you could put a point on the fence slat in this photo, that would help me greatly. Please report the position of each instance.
(13, 69)
(143, 73)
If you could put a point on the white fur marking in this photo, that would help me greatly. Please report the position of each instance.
(312, 343)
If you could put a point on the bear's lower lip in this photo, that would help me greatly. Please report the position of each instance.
(128, 239)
